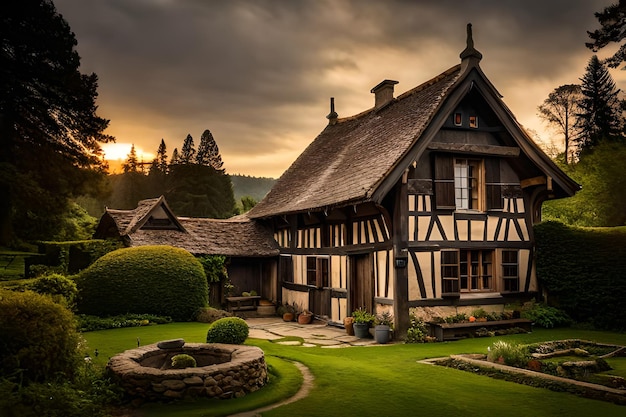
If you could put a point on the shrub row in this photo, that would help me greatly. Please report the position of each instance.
(583, 272)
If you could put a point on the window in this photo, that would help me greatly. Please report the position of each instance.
(317, 271)
(285, 268)
(450, 271)
(463, 183)
(510, 271)
(458, 119)
(467, 184)
(476, 270)
(473, 122)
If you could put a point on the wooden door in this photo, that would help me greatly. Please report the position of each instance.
(362, 282)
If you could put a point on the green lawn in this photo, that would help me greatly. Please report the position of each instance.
(375, 381)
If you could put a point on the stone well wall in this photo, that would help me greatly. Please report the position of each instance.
(245, 372)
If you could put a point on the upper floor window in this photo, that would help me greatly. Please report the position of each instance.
(468, 184)
(317, 271)
(473, 122)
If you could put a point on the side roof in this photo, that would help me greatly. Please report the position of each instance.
(359, 158)
(235, 237)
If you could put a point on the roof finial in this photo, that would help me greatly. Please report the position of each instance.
(470, 51)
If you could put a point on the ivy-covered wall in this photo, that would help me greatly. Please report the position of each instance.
(583, 271)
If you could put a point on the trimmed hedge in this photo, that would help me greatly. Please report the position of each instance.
(230, 330)
(68, 257)
(159, 280)
(39, 338)
(582, 270)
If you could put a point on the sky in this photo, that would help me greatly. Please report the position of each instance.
(259, 74)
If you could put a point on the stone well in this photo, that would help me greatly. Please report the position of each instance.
(223, 371)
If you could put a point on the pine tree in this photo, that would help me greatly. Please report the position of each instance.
(600, 118)
(131, 163)
(175, 157)
(613, 29)
(161, 157)
(208, 152)
(187, 151)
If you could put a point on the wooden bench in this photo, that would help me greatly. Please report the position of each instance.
(243, 303)
(455, 331)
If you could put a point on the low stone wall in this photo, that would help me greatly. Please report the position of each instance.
(245, 372)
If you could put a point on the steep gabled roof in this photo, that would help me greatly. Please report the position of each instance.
(358, 159)
(347, 161)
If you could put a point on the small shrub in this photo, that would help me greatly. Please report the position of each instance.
(91, 323)
(230, 330)
(546, 316)
(480, 313)
(61, 288)
(417, 331)
(183, 361)
(456, 318)
(509, 354)
(210, 314)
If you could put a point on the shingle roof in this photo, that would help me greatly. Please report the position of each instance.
(238, 236)
(349, 159)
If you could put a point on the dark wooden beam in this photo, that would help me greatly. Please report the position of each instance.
(504, 151)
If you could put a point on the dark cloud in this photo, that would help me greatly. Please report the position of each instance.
(259, 73)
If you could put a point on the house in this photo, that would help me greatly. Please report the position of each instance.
(425, 199)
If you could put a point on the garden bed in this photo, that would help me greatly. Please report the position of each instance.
(582, 368)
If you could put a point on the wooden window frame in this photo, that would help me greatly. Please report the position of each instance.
(473, 122)
(450, 269)
(476, 270)
(318, 271)
(469, 178)
(510, 271)
(458, 119)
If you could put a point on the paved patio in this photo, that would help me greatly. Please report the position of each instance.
(318, 333)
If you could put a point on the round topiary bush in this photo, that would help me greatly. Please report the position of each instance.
(183, 361)
(159, 280)
(230, 330)
(39, 338)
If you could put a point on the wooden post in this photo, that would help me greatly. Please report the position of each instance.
(400, 276)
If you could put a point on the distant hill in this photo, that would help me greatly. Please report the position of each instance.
(255, 187)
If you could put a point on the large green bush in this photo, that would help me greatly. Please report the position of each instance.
(159, 280)
(39, 339)
(230, 330)
(582, 270)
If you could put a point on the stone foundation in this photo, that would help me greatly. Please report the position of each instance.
(224, 371)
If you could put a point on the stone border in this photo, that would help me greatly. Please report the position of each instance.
(583, 389)
(246, 372)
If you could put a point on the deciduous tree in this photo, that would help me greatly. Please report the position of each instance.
(560, 110)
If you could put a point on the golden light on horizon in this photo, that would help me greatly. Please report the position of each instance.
(120, 151)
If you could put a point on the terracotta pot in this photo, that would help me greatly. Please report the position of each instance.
(288, 316)
(348, 323)
(305, 318)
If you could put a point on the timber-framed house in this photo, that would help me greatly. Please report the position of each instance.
(426, 199)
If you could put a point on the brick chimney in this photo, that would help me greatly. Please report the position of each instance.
(383, 93)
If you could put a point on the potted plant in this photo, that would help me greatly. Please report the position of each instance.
(382, 329)
(305, 317)
(362, 322)
(286, 311)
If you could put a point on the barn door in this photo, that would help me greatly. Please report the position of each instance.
(362, 282)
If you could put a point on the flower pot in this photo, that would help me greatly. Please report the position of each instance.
(361, 330)
(305, 318)
(381, 333)
(348, 323)
(288, 316)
